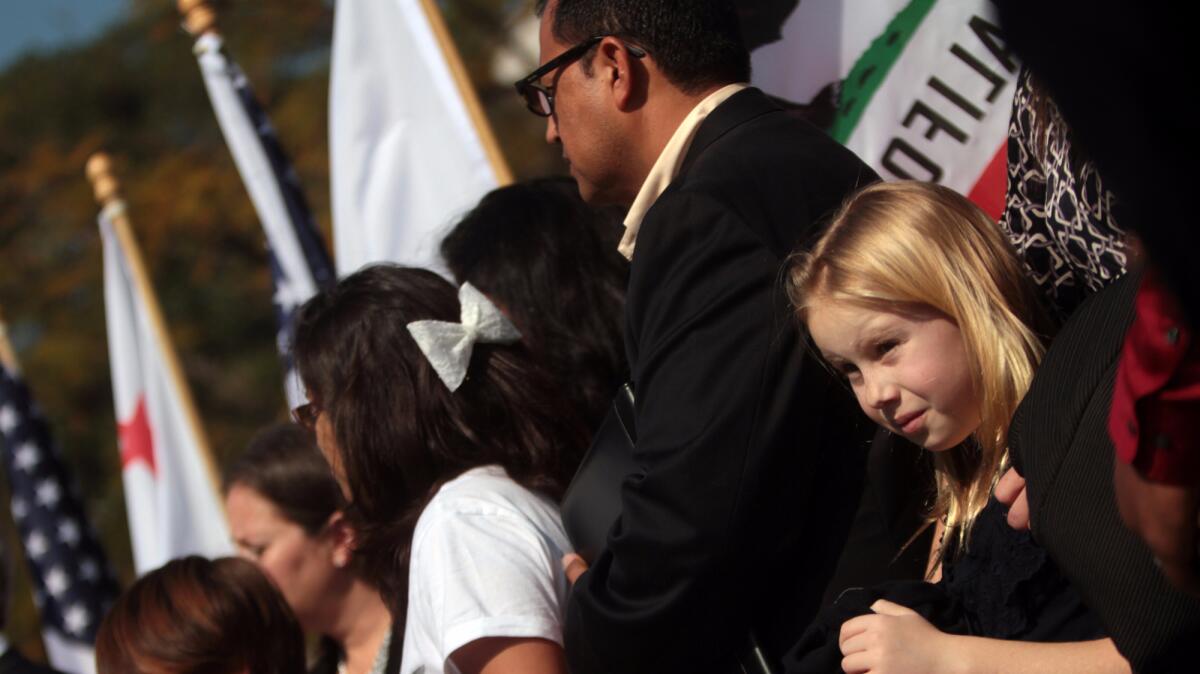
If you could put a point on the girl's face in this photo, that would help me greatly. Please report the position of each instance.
(908, 369)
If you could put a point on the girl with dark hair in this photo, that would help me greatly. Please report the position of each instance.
(550, 262)
(451, 445)
(200, 616)
(286, 515)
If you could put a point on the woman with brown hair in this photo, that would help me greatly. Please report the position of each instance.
(286, 514)
(200, 616)
(451, 445)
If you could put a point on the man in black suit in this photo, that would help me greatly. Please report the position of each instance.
(750, 453)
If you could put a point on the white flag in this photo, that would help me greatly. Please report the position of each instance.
(927, 84)
(406, 159)
(171, 501)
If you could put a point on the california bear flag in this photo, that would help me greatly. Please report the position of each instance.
(925, 87)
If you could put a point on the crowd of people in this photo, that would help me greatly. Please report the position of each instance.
(866, 428)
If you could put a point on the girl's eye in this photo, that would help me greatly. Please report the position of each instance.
(886, 346)
(847, 370)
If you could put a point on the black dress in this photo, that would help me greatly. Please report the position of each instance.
(1003, 586)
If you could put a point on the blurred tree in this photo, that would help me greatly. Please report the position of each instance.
(136, 92)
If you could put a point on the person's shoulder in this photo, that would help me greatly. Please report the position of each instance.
(775, 176)
(762, 137)
(488, 492)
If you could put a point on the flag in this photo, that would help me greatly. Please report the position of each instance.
(926, 86)
(300, 263)
(170, 491)
(73, 585)
(406, 157)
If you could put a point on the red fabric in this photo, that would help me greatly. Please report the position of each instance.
(988, 192)
(1155, 417)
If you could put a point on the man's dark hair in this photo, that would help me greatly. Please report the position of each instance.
(695, 43)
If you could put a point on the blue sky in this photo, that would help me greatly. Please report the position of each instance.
(43, 25)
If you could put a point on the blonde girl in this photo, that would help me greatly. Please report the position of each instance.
(914, 297)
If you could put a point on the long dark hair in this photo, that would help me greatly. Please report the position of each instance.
(200, 616)
(551, 261)
(400, 432)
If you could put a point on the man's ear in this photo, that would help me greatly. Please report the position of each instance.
(624, 73)
(341, 538)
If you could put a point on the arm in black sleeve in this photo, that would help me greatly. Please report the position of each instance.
(720, 403)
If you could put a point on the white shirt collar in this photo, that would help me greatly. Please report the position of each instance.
(667, 166)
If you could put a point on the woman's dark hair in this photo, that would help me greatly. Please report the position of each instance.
(695, 43)
(200, 616)
(283, 464)
(400, 432)
(551, 262)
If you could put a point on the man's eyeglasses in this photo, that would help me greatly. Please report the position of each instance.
(306, 415)
(539, 98)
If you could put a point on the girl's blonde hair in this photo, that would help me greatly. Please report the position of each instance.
(911, 243)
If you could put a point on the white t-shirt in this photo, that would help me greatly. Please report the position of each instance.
(486, 562)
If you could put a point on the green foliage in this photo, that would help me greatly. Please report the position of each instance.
(136, 92)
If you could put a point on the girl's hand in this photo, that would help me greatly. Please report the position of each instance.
(893, 641)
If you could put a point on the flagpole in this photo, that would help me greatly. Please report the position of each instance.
(107, 191)
(198, 16)
(8, 357)
(470, 97)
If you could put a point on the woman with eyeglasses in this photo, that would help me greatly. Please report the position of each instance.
(452, 446)
(286, 514)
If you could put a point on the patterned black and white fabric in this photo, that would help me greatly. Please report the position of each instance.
(1058, 214)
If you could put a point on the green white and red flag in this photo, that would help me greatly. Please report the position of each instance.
(925, 86)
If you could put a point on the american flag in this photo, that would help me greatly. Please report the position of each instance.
(72, 583)
(300, 263)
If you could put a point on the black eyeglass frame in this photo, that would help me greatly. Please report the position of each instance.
(531, 81)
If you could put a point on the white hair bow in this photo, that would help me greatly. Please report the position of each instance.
(448, 346)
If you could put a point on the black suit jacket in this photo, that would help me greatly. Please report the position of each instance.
(751, 454)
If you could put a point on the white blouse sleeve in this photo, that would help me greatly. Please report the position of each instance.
(476, 575)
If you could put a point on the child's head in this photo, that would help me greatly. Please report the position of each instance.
(913, 293)
(393, 430)
(219, 616)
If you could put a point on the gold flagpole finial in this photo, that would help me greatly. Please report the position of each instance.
(99, 170)
(8, 356)
(198, 16)
(105, 185)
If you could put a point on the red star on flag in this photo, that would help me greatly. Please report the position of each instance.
(136, 442)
